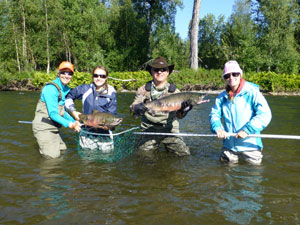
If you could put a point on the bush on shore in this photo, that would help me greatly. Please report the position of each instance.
(186, 79)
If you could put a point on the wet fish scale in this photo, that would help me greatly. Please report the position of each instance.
(173, 102)
(100, 119)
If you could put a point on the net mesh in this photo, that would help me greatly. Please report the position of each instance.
(110, 147)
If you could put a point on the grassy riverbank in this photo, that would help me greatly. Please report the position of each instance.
(187, 80)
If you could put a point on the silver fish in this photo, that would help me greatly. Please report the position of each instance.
(173, 102)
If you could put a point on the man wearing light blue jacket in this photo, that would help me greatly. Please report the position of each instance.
(245, 111)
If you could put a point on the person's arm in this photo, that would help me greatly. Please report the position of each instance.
(50, 94)
(112, 107)
(262, 115)
(75, 93)
(215, 117)
(138, 107)
(185, 108)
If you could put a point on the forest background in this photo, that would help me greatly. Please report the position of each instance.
(123, 35)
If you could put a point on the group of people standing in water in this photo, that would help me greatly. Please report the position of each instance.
(242, 106)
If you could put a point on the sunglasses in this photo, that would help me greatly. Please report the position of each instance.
(66, 73)
(160, 69)
(226, 76)
(103, 76)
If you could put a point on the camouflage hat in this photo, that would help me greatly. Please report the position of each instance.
(158, 63)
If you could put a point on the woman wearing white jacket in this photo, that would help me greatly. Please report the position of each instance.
(245, 111)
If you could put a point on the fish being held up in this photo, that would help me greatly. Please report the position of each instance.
(173, 102)
(100, 120)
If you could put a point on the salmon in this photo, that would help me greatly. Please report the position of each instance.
(173, 102)
(100, 119)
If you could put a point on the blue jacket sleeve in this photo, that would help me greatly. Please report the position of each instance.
(75, 93)
(112, 108)
(262, 115)
(215, 116)
(50, 95)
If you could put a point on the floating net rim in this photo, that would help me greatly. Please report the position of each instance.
(111, 134)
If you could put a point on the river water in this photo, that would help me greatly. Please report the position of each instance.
(197, 189)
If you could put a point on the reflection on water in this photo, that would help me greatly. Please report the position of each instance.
(242, 197)
(53, 188)
(197, 189)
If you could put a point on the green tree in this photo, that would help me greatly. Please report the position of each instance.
(168, 44)
(210, 50)
(156, 12)
(129, 50)
(239, 40)
(276, 34)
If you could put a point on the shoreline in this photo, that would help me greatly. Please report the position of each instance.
(208, 91)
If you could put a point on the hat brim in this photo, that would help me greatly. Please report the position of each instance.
(65, 68)
(171, 67)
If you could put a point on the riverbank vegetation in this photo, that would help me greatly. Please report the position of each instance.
(186, 79)
(123, 35)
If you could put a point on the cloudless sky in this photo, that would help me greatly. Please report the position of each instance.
(216, 7)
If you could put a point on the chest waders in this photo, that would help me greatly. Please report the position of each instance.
(45, 130)
(160, 121)
(164, 123)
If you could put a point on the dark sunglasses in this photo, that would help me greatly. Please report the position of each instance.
(66, 73)
(160, 69)
(226, 76)
(99, 75)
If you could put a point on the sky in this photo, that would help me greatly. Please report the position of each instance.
(216, 7)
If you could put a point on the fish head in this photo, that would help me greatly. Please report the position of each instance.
(198, 99)
(106, 119)
(112, 122)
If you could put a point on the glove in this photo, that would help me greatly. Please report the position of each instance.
(185, 108)
(140, 109)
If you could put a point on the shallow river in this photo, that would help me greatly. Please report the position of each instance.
(197, 189)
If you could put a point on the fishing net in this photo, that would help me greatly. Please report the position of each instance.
(110, 147)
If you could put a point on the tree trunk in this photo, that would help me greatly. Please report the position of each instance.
(194, 35)
(47, 38)
(68, 52)
(16, 40)
(24, 33)
(150, 23)
(17, 49)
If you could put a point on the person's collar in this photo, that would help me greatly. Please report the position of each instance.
(232, 94)
(159, 89)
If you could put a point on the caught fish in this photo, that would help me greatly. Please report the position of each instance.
(100, 120)
(173, 102)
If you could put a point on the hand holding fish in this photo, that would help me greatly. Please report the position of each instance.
(185, 108)
(139, 109)
(76, 114)
(76, 126)
(174, 102)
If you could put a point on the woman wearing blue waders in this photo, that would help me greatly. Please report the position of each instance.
(50, 114)
(245, 111)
